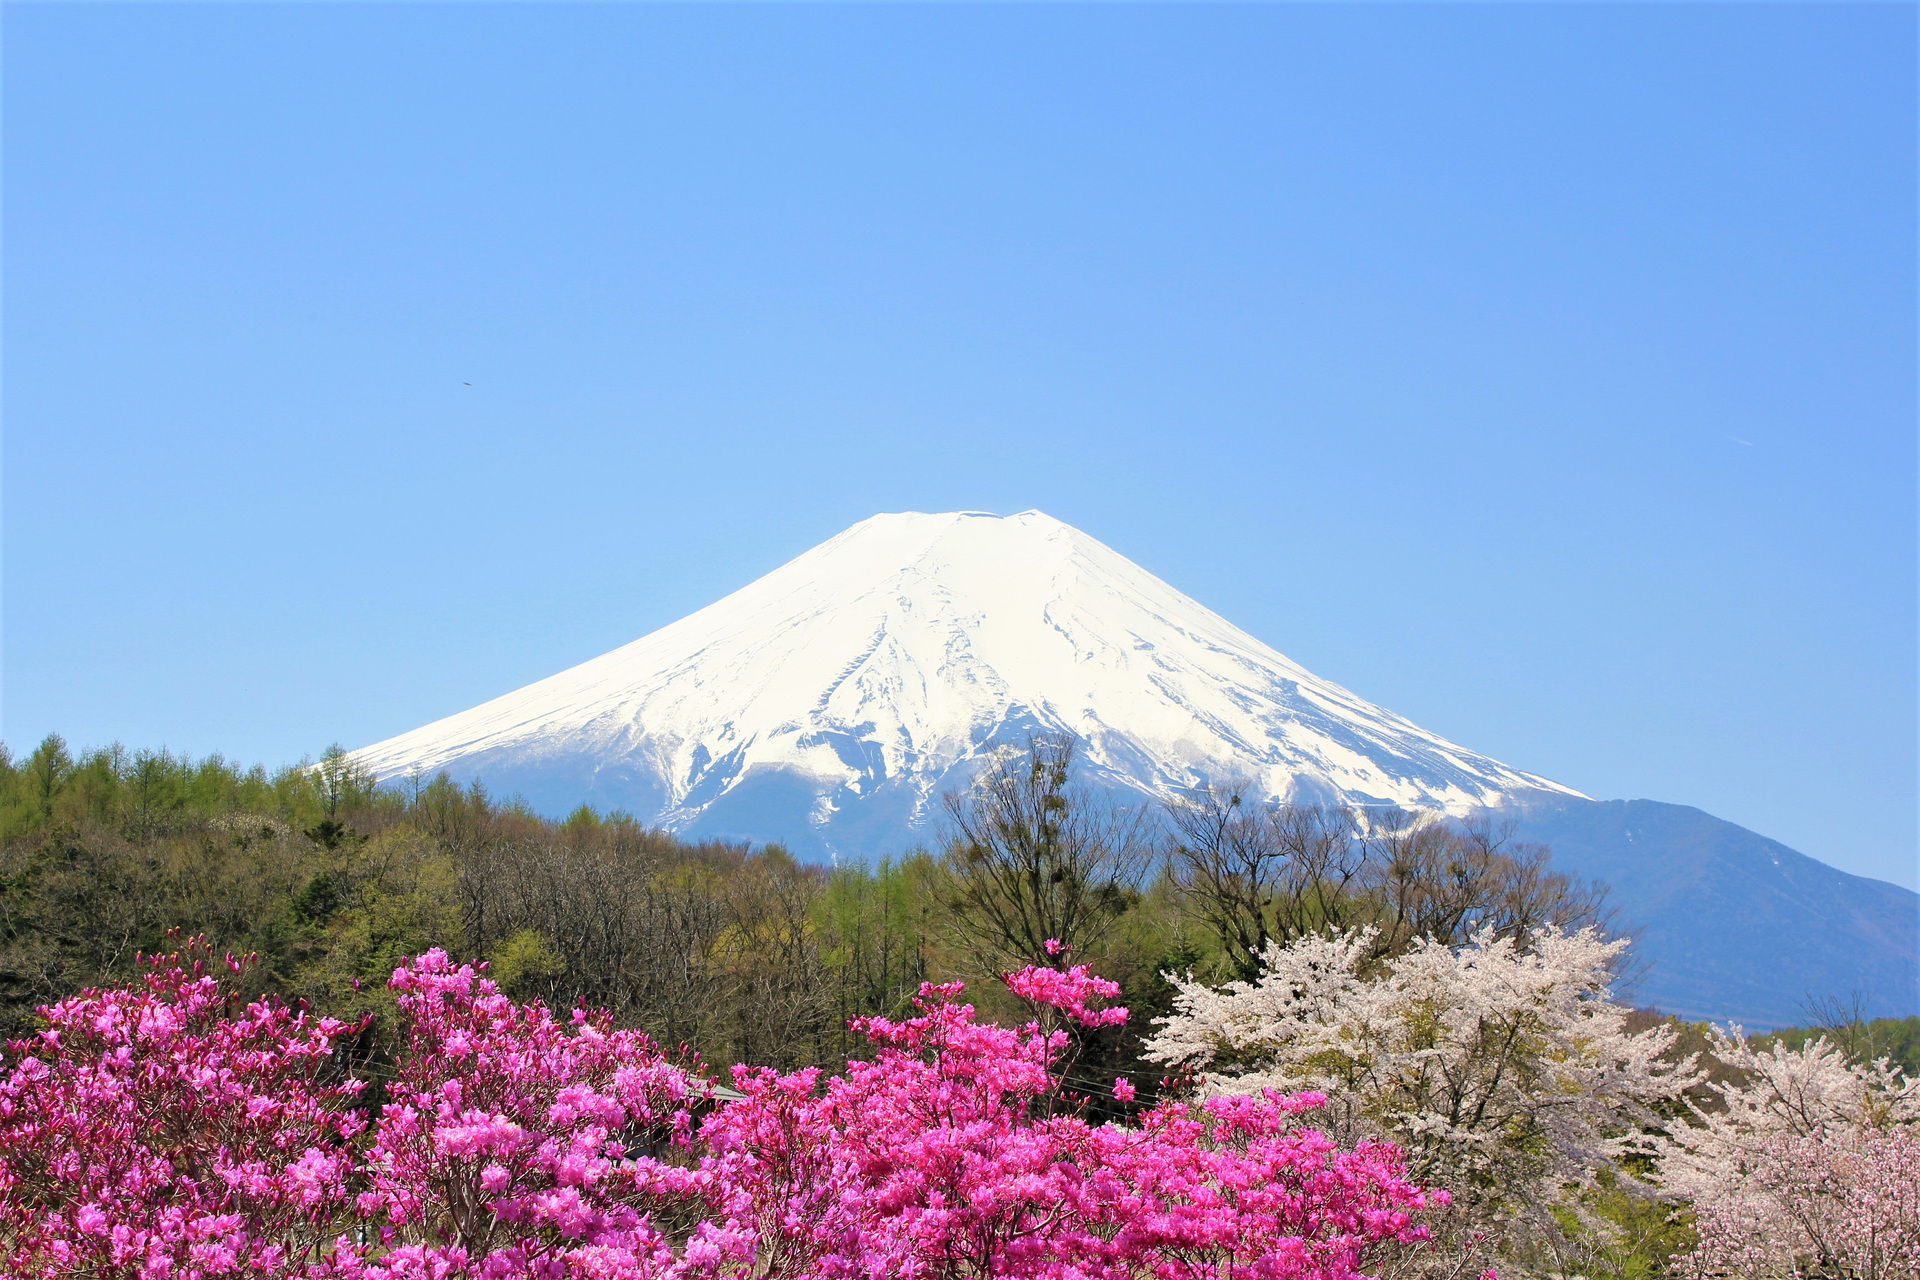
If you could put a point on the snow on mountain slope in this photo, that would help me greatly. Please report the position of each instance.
(846, 689)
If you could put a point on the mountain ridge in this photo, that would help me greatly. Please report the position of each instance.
(828, 705)
(1735, 926)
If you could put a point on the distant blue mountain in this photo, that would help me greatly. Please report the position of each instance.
(1735, 926)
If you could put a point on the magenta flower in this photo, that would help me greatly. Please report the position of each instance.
(166, 1132)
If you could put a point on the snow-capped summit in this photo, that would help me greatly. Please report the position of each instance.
(831, 702)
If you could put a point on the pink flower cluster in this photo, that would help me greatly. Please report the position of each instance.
(515, 1144)
(162, 1131)
(1846, 1200)
(158, 1133)
(1068, 991)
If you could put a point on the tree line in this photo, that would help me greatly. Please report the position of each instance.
(743, 954)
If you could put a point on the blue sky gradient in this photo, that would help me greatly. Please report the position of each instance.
(1543, 373)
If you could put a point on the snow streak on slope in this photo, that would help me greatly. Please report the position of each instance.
(886, 659)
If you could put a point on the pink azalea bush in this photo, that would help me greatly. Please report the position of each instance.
(515, 1144)
(945, 1160)
(161, 1131)
(156, 1132)
(1068, 991)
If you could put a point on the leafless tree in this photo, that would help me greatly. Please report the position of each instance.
(1430, 878)
(1034, 856)
(1260, 872)
(635, 931)
(1844, 1021)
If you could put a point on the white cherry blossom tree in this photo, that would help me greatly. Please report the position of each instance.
(1503, 1066)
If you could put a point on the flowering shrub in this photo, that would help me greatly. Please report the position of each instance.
(1844, 1204)
(1068, 992)
(154, 1133)
(1505, 1070)
(1806, 1160)
(516, 1144)
(162, 1131)
(952, 1165)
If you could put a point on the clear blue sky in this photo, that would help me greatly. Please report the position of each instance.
(1544, 373)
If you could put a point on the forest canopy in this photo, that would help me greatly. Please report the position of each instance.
(742, 953)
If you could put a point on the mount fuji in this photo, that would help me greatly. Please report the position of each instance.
(831, 703)
(849, 687)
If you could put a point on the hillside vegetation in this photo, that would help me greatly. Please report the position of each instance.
(1442, 986)
(743, 953)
